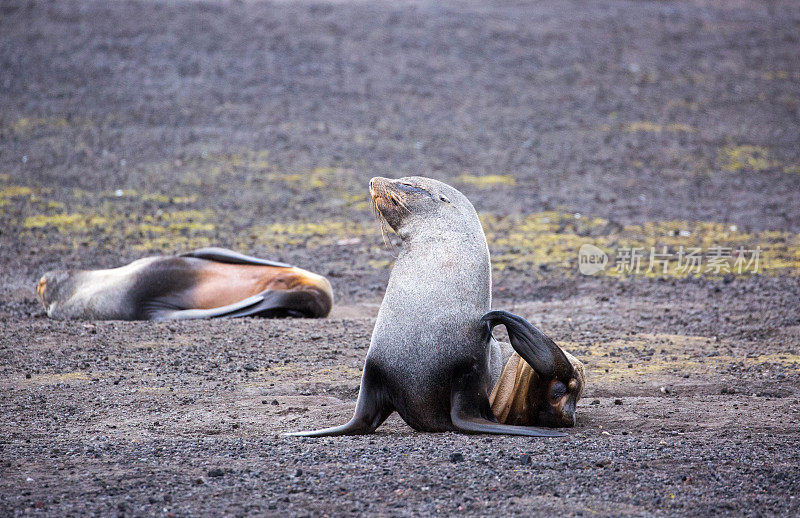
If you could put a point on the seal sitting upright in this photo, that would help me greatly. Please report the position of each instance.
(432, 357)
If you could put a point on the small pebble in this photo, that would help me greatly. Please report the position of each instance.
(216, 472)
(617, 401)
(456, 457)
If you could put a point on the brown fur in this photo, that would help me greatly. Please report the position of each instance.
(518, 394)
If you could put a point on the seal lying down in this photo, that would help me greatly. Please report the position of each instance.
(205, 283)
(432, 357)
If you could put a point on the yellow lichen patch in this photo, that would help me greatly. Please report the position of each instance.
(357, 201)
(681, 248)
(380, 264)
(172, 231)
(488, 180)
(27, 124)
(308, 180)
(553, 239)
(162, 231)
(245, 159)
(317, 178)
(660, 353)
(163, 198)
(746, 158)
(133, 194)
(15, 190)
(777, 75)
(65, 222)
(794, 169)
(652, 127)
(307, 228)
(543, 238)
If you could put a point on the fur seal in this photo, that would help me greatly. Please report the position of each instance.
(205, 283)
(520, 397)
(432, 357)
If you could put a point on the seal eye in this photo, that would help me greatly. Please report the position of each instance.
(557, 391)
(444, 198)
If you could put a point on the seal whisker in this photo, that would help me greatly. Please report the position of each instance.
(399, 200)
(376, 210)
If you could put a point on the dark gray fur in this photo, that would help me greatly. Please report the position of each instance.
(431, 358)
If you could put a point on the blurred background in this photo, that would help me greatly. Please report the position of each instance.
(133, 128)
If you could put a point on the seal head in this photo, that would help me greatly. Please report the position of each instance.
(55, 287)
(423, 207)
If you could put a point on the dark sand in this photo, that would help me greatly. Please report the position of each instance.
(132, 128)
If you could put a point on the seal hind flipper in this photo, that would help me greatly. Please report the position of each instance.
(192, 314)
(223, 255)
(372, 409)
(470, 412)
(536, 348)
(481, 425)
(269, 304)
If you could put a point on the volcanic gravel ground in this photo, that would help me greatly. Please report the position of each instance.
(249, 114)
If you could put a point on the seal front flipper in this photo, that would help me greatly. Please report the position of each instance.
(372, 409)
(223, 255)
(268, 304)
(158, 313)
(470, 412)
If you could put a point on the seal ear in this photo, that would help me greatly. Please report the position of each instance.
(536, 348)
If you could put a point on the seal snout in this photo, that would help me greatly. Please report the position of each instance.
(41, 287)
(42, 291)
(379, 186)
(386, 199)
